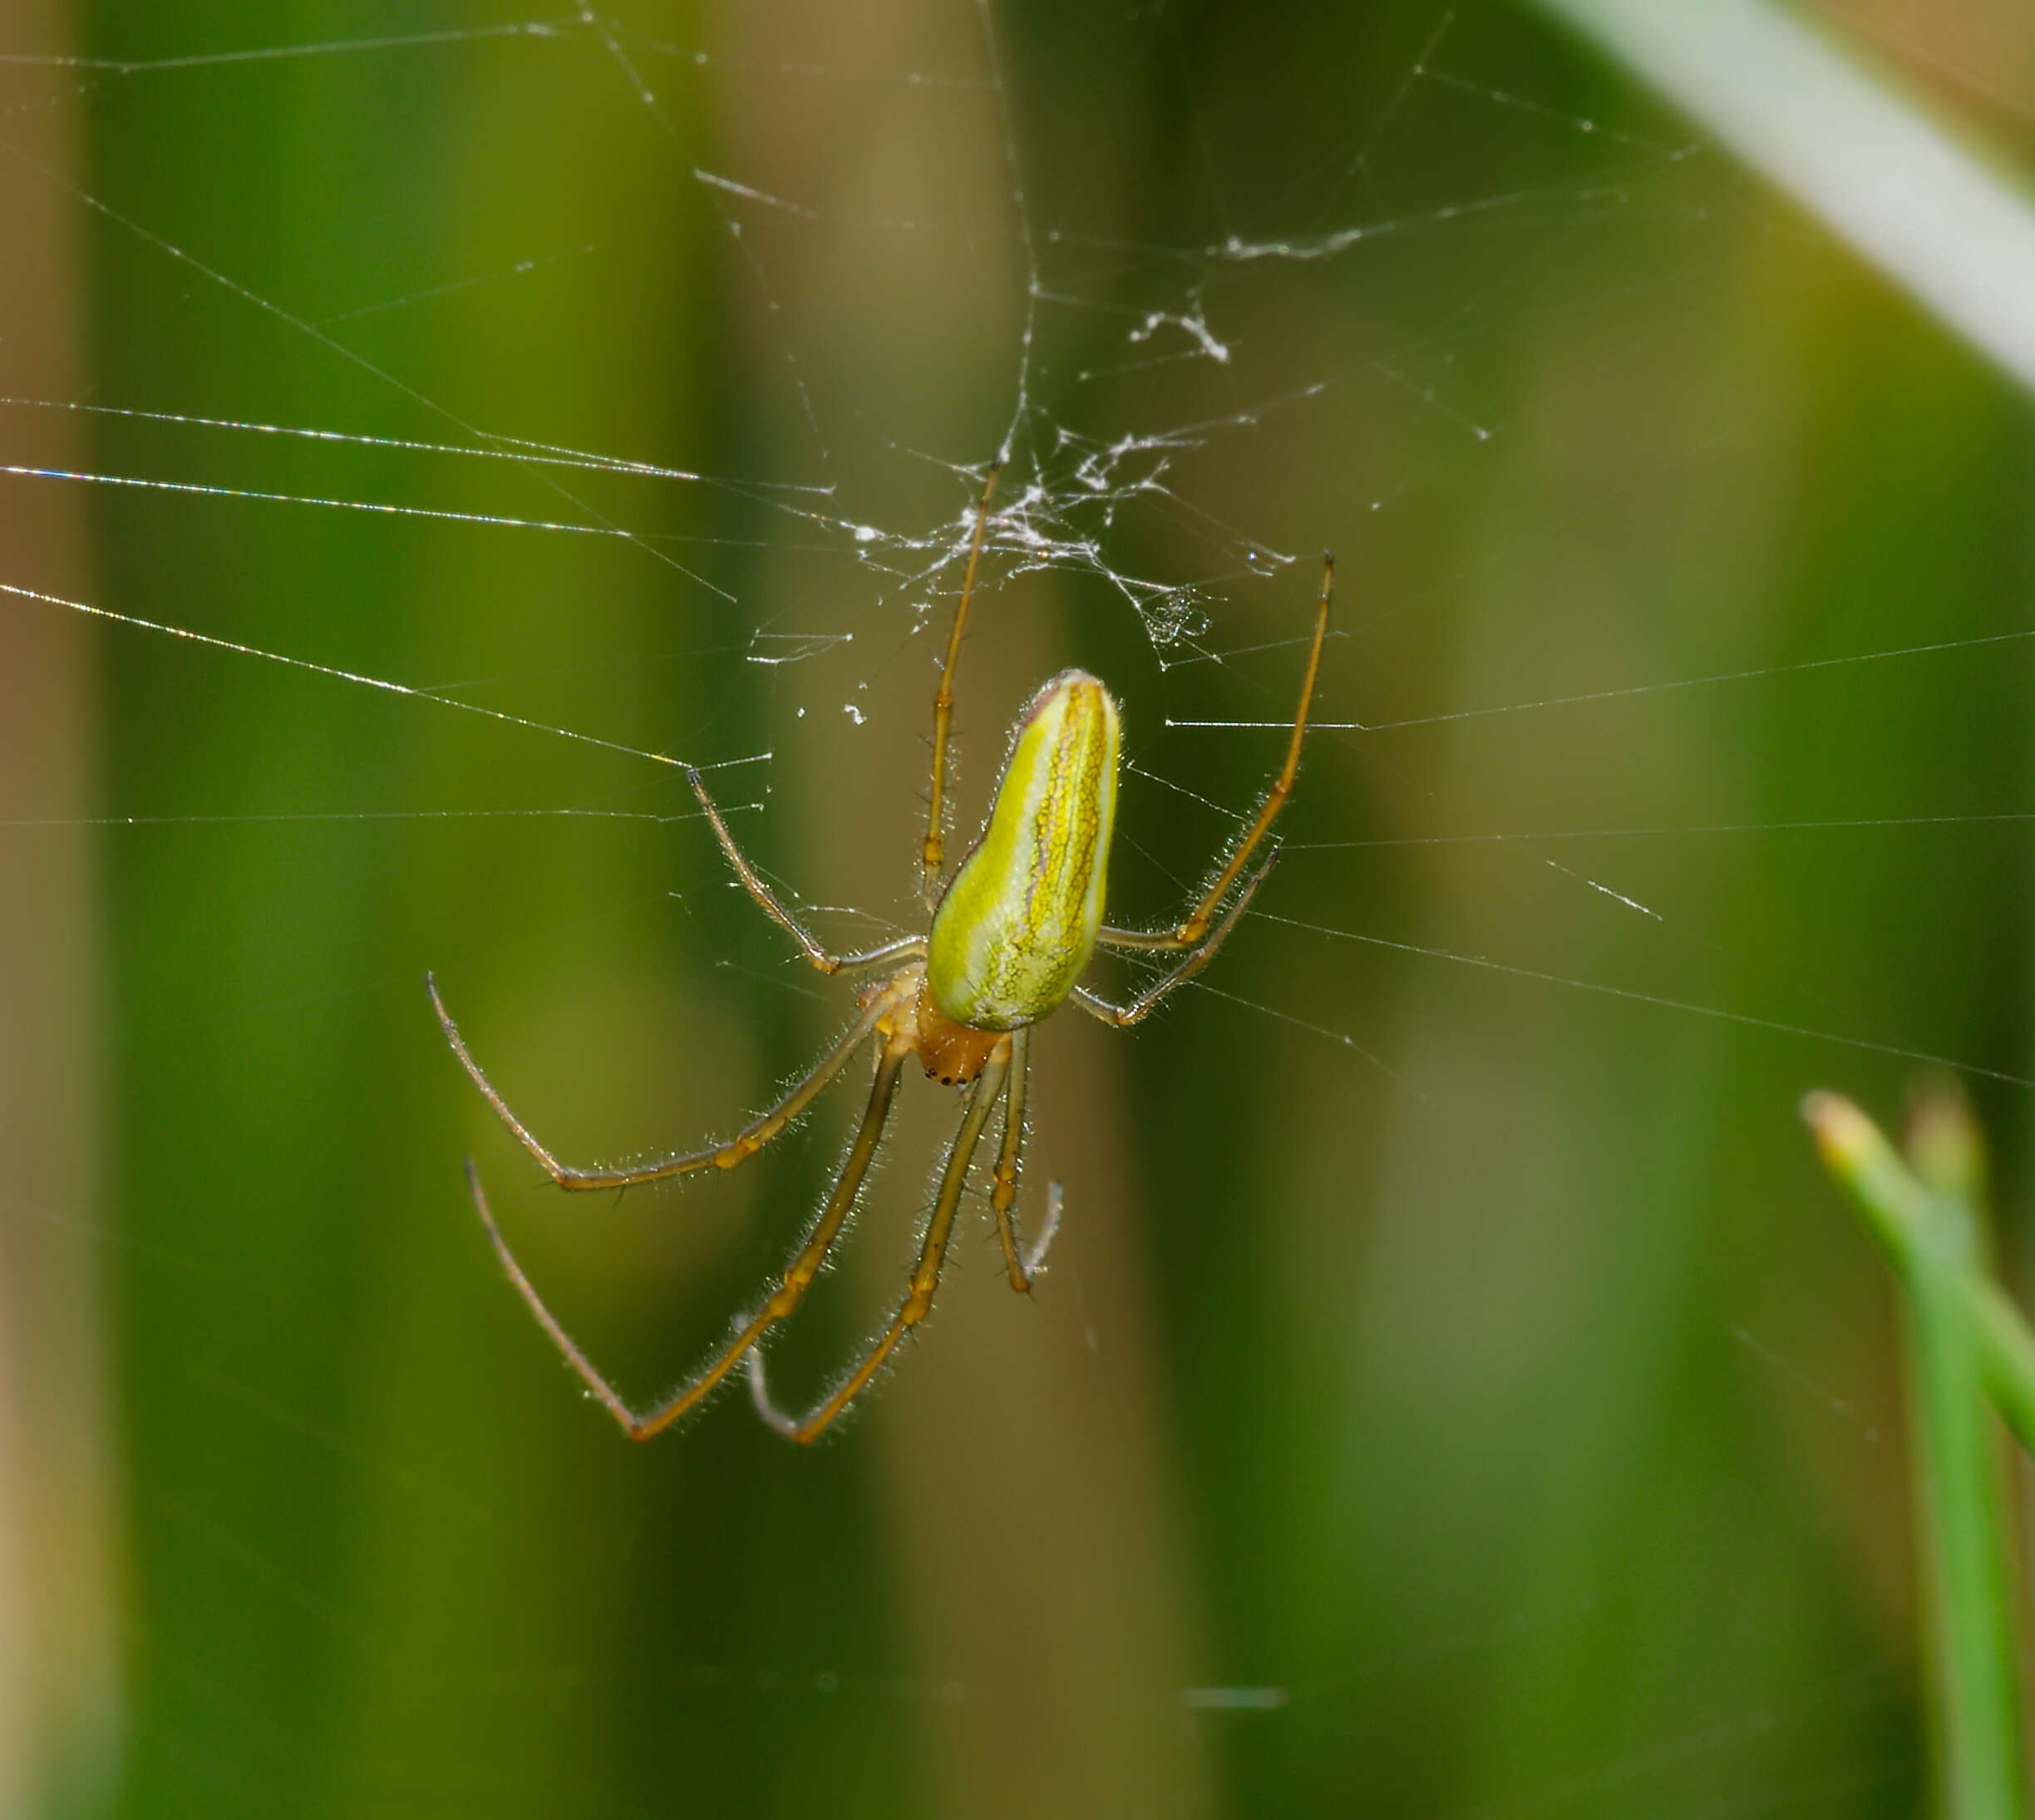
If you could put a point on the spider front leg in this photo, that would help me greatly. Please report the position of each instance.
(797, 1279)
(943, 699)
(925, 1274)
(904, 947)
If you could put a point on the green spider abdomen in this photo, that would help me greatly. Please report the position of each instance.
(1017, 926)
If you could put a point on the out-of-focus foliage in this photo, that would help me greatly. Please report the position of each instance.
(1455, 1393)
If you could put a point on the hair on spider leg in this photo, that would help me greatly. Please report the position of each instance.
(773, 1413)
(883, 1357)
(1008, 937)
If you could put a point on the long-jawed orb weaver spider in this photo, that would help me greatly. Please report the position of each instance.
(1008, 938)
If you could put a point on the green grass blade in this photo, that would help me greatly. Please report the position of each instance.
(1964, 1341)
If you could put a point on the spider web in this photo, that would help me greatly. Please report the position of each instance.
(473, 417)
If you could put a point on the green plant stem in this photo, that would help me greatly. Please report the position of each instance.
(1966, 1343)
(1958, 1493)
(1894, 1203)
(2006, 1356)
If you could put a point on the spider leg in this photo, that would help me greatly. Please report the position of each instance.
(1189, 933)
(1004, 1193)
(943, 699)
(753, 883)
(924, 1277)
(738, 1149)
(803, 1268)
(1120, 1015)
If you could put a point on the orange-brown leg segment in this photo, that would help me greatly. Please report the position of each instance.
(1003, 1195)
(1190, 934)
(943, 701)
(753, 883)
(924, 1277)
(803, 1268)
(739, 1148)
(1120, 1015)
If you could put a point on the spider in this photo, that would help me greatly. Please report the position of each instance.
(1007, 938)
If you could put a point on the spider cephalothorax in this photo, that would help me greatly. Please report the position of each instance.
(1006, 943)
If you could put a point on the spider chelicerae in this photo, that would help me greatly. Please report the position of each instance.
(1007, 939)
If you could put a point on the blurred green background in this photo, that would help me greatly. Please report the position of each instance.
(1456, 1393)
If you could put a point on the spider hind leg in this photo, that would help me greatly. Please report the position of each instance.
(798, 1277)
(925, 1275)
